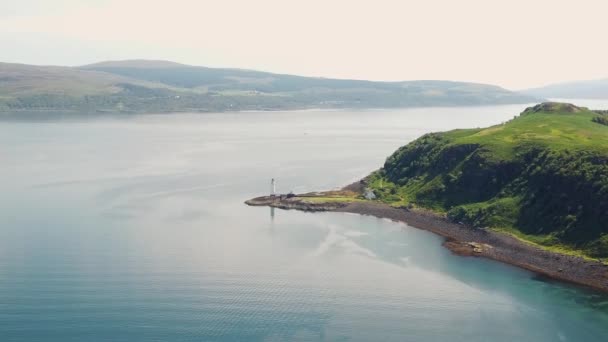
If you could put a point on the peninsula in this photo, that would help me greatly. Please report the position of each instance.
(531, 192)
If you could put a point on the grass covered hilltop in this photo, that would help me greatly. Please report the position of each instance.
(542, 177)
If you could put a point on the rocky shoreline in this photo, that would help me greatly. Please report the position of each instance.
(462, 240)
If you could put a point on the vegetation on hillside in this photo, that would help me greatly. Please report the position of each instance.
(601, 119)
(158, 86)
(542, 176)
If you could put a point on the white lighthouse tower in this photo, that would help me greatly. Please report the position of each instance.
(273, 187)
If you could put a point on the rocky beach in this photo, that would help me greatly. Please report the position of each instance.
(459, 238)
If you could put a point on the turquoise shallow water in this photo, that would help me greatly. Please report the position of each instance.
(133, 229)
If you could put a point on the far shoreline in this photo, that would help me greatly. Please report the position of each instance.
(58, 113)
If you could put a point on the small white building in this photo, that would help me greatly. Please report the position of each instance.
(369, 194)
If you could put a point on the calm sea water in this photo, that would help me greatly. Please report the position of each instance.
(134, 229)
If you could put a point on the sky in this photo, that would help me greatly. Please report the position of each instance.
(516, 44)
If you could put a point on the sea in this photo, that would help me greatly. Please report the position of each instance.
(133, 228)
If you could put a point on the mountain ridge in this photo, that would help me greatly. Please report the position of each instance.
(135, 63)
(583, 89)
(163, 86)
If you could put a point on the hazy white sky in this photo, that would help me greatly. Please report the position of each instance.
(512, 43)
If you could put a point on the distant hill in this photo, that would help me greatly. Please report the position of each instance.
(594, 89)
(21, 80)
(161, 86)
(541, 176)
(135, 63)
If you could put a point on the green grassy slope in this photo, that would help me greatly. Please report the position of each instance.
(542, 176)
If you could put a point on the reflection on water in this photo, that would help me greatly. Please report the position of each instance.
(135, 230)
